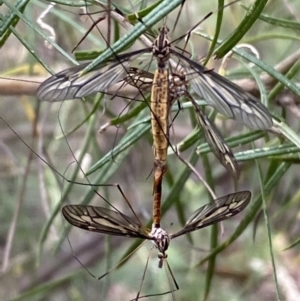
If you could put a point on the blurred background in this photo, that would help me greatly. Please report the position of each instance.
(43, 258)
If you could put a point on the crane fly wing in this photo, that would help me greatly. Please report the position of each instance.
(68, 84)
(71, 83)
(226, 97)
(103, 220)
(223, 208)
(234, 103)
(140, 79)
(218, 146)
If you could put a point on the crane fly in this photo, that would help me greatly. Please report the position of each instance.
(226, 97)
(111, 222)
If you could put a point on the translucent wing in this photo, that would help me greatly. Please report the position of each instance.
(102, 220)
(226, 97)
(218, 145)
(223, 208)
(70, 84)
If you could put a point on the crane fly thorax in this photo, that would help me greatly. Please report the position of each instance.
(161, 239)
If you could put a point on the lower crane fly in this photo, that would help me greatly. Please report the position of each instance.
(111, 222)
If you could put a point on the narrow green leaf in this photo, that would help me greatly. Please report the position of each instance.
(252, 15)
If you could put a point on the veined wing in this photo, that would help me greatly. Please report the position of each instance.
(103, 220)
(222, 208)
(226, 97)
(70, 84)
(218, 145)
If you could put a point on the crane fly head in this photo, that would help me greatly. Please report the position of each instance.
(161, 46)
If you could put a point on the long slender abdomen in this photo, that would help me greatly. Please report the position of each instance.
(160, 132)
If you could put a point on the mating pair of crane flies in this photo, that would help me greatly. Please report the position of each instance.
(166, 86)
